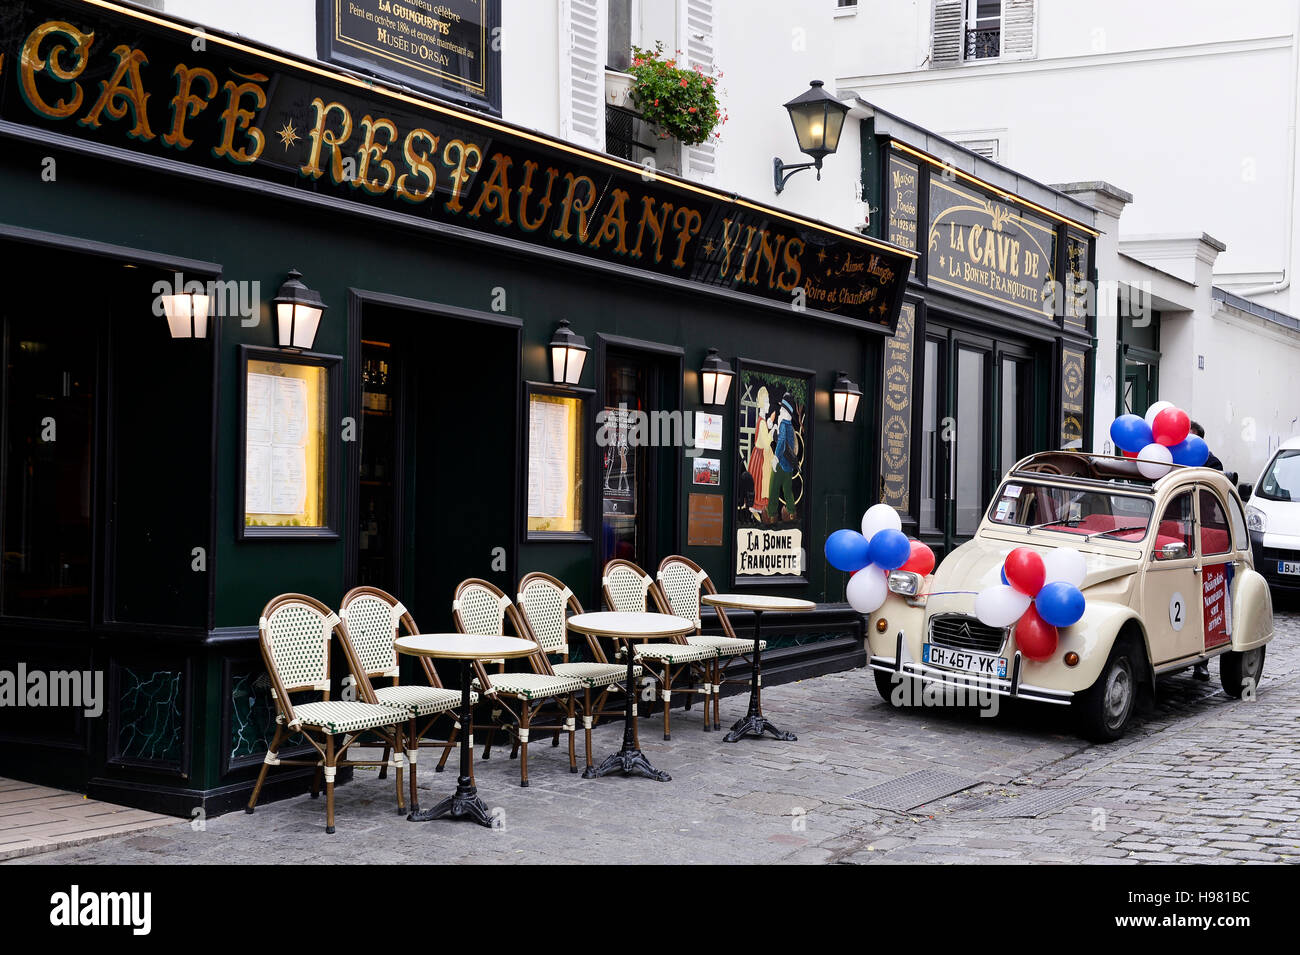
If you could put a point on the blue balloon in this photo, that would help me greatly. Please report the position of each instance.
(1060, 603)
(1130, 432)
(1003, 572)
(847, 550)
(890, 549)
(1190, 452)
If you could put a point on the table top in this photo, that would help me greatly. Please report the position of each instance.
(617, 624)
(464, 646)
(758, 602)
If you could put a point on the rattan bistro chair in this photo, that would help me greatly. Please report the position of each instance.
(627, 588)
(372, 619)
(681, 581)
(294, 632)
(480, 607)
(544, 602)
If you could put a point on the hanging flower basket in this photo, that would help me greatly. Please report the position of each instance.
(682, 103)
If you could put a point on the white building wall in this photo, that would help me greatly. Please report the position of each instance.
(1189, 104)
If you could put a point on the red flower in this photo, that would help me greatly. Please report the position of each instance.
(692, 110)
(656, 102)
(685, 83)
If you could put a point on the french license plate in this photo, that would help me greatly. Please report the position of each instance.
(985, 664)
(1288, 566)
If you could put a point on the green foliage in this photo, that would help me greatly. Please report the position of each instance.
(682, 103)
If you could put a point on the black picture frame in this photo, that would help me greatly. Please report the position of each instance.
(335, 45)
(587, 396)
(332, 365)
(740, 472)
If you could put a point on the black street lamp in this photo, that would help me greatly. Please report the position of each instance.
(568, 355)
(818, 119)
(715, 379)
(298, 313)
(845, 397)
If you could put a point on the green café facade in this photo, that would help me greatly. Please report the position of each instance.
(271, 326)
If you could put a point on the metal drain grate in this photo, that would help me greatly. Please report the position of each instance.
(1031, 804)
(914, 789)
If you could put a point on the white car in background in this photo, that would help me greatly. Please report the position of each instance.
(1273, 518)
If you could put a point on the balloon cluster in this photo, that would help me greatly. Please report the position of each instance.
(1037, 594)
(870, 556)
(1160, 439)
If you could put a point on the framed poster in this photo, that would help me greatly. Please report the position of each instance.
(554, 449)
(451, 48)
(774, 411)
(287, 482)
(896, 414)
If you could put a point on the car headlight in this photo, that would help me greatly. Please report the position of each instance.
(904, 583)
(1255, 519)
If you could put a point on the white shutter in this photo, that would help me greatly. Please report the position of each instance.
(695, 38)
(947, 34)
(988, 148)
(582, 72)
(1019, 32)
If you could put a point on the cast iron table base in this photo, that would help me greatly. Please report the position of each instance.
(754, 723)
(465, 802)
(629, 759)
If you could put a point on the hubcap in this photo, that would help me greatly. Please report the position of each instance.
(1119, 693)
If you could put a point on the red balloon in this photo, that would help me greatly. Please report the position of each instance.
(1025, 571)
(1035, 637)
(921, 560)
(1170, 426)
(1129, 454)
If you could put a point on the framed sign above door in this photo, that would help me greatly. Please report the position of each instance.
(451, 48)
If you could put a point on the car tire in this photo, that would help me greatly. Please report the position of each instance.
(885, 686)
(1105, 708)
(1236, 669)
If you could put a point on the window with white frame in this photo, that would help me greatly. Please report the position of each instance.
(972, 31)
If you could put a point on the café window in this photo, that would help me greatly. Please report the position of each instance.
(49, 468)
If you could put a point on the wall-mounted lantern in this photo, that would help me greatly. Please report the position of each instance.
(187, 315)
(818, 119)
(298, 313)
(568, 355)
(844, 398)
(715, 379)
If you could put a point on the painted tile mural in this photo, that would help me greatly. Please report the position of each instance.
(150, 722)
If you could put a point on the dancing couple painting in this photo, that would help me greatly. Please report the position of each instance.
(773, 447)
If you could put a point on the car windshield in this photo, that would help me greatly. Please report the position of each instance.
(1125, 517)
(1281, 482)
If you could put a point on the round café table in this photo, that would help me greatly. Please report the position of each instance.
(628, 627)
(754, 723)
(465, 802)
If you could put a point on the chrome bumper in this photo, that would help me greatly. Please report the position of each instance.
(926, 673)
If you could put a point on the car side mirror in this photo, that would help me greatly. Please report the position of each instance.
(1177, 551)
(1245, 490)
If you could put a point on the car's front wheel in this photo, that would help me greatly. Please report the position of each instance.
(1237, 671)
(1106, 707)
(894, 689)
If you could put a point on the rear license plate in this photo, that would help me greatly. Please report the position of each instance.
(1288, 566)
(985, 664)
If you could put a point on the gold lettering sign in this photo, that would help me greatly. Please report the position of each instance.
(990, 249)
(1073, 408)
(896, 422)
(903, 190)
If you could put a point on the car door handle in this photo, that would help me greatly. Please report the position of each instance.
(1196, 570)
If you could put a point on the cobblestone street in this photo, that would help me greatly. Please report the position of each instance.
(1200, 778)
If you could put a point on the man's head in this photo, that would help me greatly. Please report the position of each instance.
(1197, 430)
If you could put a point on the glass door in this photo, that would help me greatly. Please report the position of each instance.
(1017, 401)
(623, 462)
(969, 411)
(377, 538)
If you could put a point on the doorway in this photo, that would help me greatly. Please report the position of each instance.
(979, 415)
(640, 387)
(437, 492)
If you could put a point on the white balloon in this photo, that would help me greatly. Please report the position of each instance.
(1000, 605)
(880, 517)
(868, 589)
(1065, 564)
(1156, 408)
(1154, 461)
